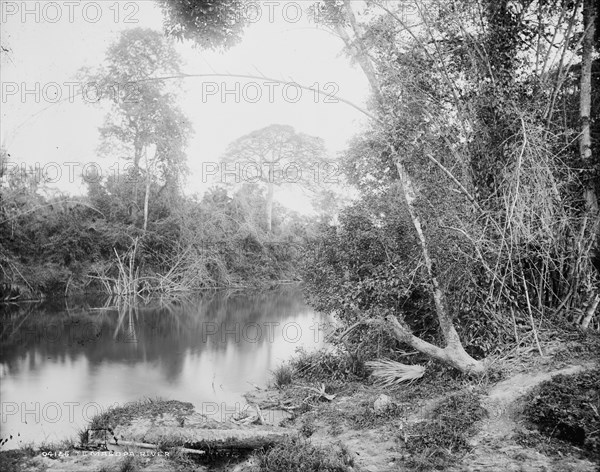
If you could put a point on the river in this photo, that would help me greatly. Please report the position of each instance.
(63, 362)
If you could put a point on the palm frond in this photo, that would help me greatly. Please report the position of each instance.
(391, 373)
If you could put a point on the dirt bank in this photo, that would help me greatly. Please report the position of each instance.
(375, 427)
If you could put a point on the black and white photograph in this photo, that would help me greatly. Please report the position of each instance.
(299, 235)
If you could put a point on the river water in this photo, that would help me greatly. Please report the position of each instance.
(60, 364)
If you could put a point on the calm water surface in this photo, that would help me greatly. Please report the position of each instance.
(60, 365)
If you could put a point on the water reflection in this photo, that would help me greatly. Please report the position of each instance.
(59, 365)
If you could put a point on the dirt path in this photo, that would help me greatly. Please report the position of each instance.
(494, 446)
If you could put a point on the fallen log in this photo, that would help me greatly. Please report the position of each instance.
(239, 439)
(139, 445)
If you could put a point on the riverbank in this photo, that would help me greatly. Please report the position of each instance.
(35, 281)
(344, 423)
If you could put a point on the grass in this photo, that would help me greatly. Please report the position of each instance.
(307, 427)
(326, 365)
(122, 415)
(437, 442)
(128, 464)
(12, 460)
(300, 455)
(365, 416)
(283, 375)
(567, 408)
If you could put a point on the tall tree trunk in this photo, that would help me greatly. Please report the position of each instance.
(357, 49)
(137, 155)
(147, 194)
(585, 140)
(270, 191)
(585, 100)
(454, 353)
(590, 311)
(146, 202)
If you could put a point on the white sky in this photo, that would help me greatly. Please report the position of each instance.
(36, 131)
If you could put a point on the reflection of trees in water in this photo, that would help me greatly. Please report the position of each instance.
(133, 330)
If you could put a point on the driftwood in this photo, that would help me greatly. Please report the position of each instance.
(257, 418)
(320, 393)
(140, 445)
(238, 439)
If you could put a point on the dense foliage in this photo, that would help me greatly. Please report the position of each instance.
(474, 149)
(478, 176)
(63, 245)
(211, 24)
(566, 408)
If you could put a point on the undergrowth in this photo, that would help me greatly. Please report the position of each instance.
(365, 416)
(436, 442)
(12, 460)
(567, 408)
(327, 365)
(300, 455)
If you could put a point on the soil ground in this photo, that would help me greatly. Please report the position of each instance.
(376, 441)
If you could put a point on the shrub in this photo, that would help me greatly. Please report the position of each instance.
(568, 408)
(325, 365)
(299, 455)
(283, 375)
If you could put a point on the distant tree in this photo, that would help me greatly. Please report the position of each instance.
(275, 156)
(327, 203)
(144, 115)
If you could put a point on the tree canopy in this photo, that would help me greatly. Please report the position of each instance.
(211, 24)
(277, 155)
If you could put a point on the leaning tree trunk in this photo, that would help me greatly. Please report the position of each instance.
(454, 353)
